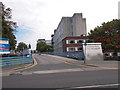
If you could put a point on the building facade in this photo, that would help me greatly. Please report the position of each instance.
(74, 44)
(68, 26)
(41, 40)
(48, 42)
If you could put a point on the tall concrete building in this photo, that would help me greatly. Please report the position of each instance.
(68, 26)
(78, 24)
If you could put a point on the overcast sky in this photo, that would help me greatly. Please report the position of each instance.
(37, 19)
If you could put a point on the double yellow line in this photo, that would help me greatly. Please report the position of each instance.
(85, 65)
(77, 64)
(23, 68)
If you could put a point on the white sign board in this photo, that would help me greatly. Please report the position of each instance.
(4, 46)
(93, 51)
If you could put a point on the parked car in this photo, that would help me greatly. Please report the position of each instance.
(111, 56)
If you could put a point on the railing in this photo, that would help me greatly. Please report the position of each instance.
(8, 61)
(77, 55)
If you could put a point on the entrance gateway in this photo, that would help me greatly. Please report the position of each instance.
(93, 51)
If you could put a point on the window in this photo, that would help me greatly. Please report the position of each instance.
(71, 49)
(71, 41)
(79, 41)
(79, 48)
(74, 48)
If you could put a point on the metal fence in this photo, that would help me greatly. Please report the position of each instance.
(77, 55)
(8, 61)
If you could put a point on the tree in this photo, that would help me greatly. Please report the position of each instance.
(22, 46)
(43, 47)
(108, 34)
(29, 46)
(8, 27)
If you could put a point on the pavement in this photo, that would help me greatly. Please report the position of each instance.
(10, 69)
(107, 64)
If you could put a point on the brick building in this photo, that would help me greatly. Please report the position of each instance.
(73, 44)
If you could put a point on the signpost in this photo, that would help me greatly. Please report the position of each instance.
(4, 46)
(92, 52)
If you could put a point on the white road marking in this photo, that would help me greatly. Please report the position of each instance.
(57, 71)
(94, 86)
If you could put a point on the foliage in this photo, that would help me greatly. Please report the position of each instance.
(43, 47)
(29, 46)
(22, 46)
(8, 27)
(108, 34)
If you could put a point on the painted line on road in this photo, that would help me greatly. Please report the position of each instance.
(85, 65)
(93, 66)
(76, 64)
(23, 68)
(108, 67)
(94, 86)
(57, 71)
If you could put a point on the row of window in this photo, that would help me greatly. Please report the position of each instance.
(74, 48)
(74, 41)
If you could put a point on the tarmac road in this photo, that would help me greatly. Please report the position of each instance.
(46, 62)
(62, 80)
(56, 72)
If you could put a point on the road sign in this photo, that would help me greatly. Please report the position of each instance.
(4, 46)
(93, 52)
(85, 44)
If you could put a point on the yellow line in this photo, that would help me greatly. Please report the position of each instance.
(71, 63)
(22, 68)
(35, 63)
(92, 66)
(77, 64)
(108, 68)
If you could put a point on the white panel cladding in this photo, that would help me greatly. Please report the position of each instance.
(67, 41)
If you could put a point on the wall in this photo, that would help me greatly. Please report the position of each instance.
(79, 24)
